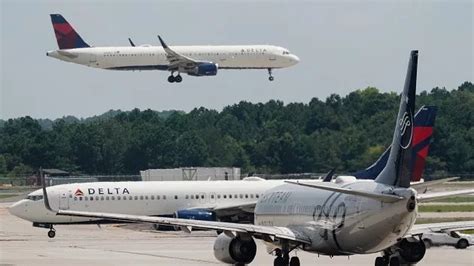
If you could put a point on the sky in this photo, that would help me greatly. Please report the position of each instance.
(343, 46)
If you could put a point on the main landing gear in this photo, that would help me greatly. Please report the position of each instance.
(283, 259)
(270, 78)
(51, 232)
(176, 78)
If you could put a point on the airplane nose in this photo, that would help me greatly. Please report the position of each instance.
(15, 208)
(295, 58)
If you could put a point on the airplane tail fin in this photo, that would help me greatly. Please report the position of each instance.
(422, 136)
(66, 36)
(397, 171)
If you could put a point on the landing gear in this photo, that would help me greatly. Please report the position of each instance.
(283, 258)
(176, 78)
(51, 232)
(295, 261)
(270, 78)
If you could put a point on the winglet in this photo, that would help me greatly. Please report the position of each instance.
(162, 42)
(45, 194)
(329, 175)
(131, 43)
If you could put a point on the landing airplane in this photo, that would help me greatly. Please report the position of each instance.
(357, 217)
(192, 60)
(219, 201)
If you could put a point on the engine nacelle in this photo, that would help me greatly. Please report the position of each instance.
(196, 214)
(412, 251)
(204, 69)
(234, 250)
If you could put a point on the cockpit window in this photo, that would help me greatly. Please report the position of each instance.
(34, 198)
(286, 52)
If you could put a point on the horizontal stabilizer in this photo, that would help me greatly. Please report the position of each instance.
(376, 196)
(444, 194)
(424, 185)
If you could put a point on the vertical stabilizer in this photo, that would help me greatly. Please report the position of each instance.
(422, 137)
(66, 36)
(397, 172)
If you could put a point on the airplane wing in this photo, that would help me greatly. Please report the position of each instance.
(444, 194)
(177, 60)
(418, 229)
(187, 225)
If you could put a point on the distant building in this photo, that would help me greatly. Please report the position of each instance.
(191, 173)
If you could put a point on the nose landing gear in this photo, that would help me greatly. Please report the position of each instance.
(51, 232)
(270, 78)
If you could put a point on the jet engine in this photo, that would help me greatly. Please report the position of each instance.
(204, 69)
(196, 214)
(412, 251)
(232, 250)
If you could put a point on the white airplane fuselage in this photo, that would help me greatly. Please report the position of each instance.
(153, 198)
(154, 57)
(349, 217)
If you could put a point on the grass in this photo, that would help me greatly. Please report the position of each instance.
(457, 199)
(446, 208)
(441, 220)
(4, 196)
(471, 231)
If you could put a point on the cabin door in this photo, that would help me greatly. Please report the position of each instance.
(64, 200)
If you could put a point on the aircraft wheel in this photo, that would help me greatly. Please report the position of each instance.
(271, 78)
(394, 261)
(295, 261)
(279, 261)
(171, 79)
(380, 261)
(178, 78)
(51, 233)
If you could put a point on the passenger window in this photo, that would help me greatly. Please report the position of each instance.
(112, 198)
(164, 197)
(130, 198)
(86, 198)
(230, 196)
(202, 196)
(136, 197)
(92, 198)
(175, 197)
(246, 196)
(118, 197)
(80, 198)
(70, 196)
(101, 197)
(241, 196)
(146, 197)
(186, 197)
(158, 197)
(141, 197)
(256, 196)
(107, 198)
(96, 197)
(212, 196)
(152, 197)
(225, 196)
(219, 196)
(75, 198)
(251, 196)
(197, 196)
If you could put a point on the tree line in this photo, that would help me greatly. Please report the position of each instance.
(347, 133)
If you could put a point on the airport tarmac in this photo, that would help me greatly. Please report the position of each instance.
(22, 244)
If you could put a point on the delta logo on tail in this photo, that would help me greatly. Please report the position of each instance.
(66, 36)
(422, 127)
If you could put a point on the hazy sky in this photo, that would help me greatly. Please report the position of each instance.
(343, 46)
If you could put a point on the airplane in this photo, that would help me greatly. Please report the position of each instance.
(192, 60)
(356, 217)
(216, 201)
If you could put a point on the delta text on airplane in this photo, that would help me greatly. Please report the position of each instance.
(192, 60)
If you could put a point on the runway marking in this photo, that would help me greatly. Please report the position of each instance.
(154, 255)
